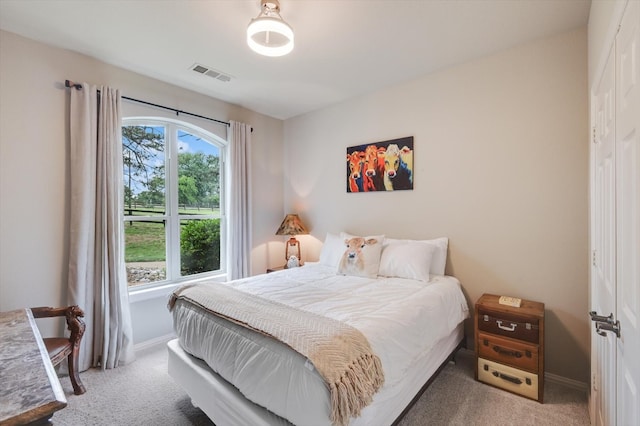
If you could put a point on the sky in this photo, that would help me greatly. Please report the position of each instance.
(190, 143)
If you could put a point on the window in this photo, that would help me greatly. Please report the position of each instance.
(173, 201)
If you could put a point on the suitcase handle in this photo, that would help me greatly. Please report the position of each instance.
(508, 378)
(501, 351)
(505, 328)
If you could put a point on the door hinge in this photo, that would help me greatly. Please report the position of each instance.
(593, 134)
(593, 257)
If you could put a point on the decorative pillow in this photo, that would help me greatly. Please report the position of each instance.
(332, 250)
(439, 258)
(361, 255)
(406, 259)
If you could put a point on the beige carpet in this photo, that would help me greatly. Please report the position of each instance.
(142, 393)
(455, 398)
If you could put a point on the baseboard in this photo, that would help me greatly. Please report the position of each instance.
(153, 342)
(566, 382)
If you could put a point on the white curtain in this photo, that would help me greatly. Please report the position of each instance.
(239, 202)
(97, 276)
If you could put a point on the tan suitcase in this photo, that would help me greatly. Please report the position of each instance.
(508, 378)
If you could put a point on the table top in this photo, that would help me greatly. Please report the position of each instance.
(528, 307)
(30, 388)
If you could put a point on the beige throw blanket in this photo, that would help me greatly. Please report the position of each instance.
(339, 352)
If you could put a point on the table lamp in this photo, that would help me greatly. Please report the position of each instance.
(292, 225)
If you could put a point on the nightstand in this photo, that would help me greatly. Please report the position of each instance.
(277, 268)
(509, 345)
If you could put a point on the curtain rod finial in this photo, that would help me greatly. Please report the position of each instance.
(69, 83)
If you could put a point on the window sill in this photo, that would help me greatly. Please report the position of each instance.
(163, 291)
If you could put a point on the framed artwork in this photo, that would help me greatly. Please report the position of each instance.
(380, 166)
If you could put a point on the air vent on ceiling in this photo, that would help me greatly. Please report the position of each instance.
(218, 75)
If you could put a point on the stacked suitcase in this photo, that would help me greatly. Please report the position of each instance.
(509, 345)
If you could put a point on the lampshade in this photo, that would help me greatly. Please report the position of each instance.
(268, 34)
(292, 225)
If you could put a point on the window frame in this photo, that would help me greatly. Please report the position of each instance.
(171, 216)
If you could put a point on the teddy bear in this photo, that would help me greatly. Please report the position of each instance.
(293, 262)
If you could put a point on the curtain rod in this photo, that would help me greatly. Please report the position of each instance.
(78, 86)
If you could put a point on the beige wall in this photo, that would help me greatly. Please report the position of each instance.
(34, 169)
(501, 147)
(500, 166)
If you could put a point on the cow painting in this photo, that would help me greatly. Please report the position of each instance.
(380, 166)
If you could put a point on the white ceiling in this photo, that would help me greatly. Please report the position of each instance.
(344, 48)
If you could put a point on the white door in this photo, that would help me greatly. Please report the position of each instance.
(628, 215)
(603, 290)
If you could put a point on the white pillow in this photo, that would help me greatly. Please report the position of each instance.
(439, 258)
(332, 250)
(406, 259)
(361, 255)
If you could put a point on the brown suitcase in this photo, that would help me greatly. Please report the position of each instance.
(506, 351)
(508, 325)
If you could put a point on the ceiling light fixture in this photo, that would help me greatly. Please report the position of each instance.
(268, 34)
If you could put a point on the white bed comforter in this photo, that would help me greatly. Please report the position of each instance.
(401, 319)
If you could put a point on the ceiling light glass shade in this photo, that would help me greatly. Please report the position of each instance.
(270, 36)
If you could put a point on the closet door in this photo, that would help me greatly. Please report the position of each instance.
(603, 271)
(628, 215)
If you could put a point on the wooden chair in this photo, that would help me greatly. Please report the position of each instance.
(60, 348)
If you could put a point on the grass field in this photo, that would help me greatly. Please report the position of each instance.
(145, 241)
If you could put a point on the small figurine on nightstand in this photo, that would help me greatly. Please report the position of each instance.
(293, 262)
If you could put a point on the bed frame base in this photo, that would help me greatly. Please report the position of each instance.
(450, 358)
(216, 397)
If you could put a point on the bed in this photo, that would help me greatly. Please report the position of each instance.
(413, 321)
